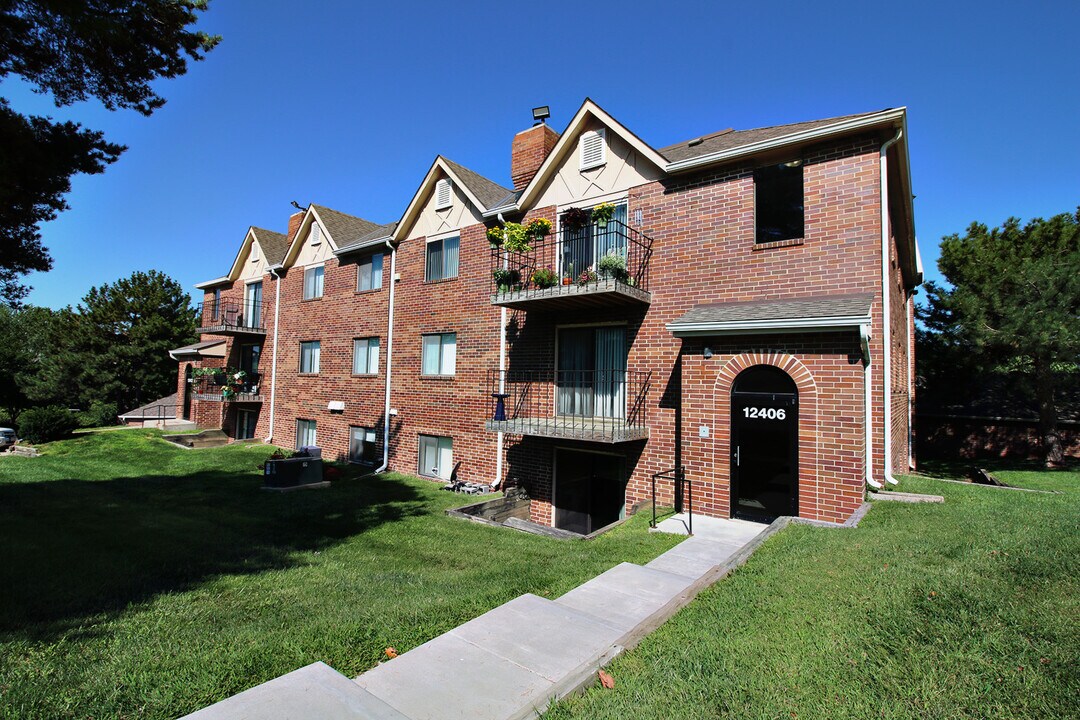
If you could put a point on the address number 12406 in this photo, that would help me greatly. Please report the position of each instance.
(765, 413)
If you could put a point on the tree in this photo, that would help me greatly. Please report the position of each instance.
(120, 337)
(1015, 303)
(74, 50)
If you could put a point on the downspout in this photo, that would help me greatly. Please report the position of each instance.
(273, 358)
(502, 371)
(886, 328)
(868, 430)
(389, 359)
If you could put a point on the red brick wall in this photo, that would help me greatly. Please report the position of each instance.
(528, 151)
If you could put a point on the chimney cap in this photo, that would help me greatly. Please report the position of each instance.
(540, 114)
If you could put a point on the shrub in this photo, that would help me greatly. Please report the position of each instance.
(545, 278)
(100, 414)
(42, 424)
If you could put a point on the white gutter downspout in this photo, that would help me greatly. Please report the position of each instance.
(273, 359)
(502, 371)
(868, 412)
(389, 359)
(886, 334)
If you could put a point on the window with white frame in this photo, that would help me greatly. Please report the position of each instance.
(436, 456)
(362, 445)
(440, 354)
(442, 259)
(369, 273)
(365, 359)
(309, 356)
(313, 282)
(592, 149)
(305, 433)
(444, 198)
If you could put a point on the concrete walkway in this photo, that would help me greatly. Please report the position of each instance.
(513, 661)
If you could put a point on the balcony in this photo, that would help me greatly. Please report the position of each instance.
(216, 388)
(580, 276)
(604, 406)
(232, 317)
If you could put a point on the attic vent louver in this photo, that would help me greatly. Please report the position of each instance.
(316, 233)
(592, 149)
(443, 198)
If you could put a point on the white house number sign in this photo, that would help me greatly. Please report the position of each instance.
(759, 413)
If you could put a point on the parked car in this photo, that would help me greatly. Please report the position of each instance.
(7, 438)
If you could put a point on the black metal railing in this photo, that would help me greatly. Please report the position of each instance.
(588, 404)
(220, 386)
(683, 498)
(233, 315)
(590, 257)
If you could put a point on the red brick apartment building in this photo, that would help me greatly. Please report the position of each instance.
(733, 311)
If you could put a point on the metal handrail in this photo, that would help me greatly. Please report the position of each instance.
(571, 255)
(678, 476)
(233, 314)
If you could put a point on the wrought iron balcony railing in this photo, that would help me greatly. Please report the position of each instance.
(220, 388)
(612, 259)
(598, 405)
(233, 316)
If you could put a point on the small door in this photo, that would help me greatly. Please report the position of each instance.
(189, 388)
(764, 444)
(590, 490)
(253, 305)
(245, 424)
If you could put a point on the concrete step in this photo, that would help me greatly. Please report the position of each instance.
(508, 663)
(631, 599)
(314, 691)
(695, 557)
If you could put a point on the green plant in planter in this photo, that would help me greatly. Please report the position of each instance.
(538, 228)
(603, 213)
(575, 218)
(517, 238)
(545, 278)
(613, 265)
(587, 276)
(495, 235)
(505, 278)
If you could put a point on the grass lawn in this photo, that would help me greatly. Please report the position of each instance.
(141, 580)
(969, 609)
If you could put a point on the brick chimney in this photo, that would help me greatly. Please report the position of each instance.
(527, 154)
(294, 224)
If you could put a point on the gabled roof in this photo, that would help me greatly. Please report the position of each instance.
(378, 236)
(728, 139)
(343, 229)
(163, 409)
(274, 244)
(480, 191)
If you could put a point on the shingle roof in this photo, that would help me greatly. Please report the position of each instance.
(345, 229)
(487, 192)
(821, 306)
(163, 409)
(380, 232)
(274, 245)
(197, 346)
(729, 139)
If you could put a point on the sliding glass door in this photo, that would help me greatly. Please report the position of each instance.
(583, 248)
(591, 377)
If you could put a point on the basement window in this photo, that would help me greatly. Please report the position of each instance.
(779, 213)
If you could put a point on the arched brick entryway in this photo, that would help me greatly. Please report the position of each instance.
(808, 421)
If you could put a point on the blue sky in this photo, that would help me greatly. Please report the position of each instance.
(347, 103)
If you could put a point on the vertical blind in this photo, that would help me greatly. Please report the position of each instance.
(442, 259)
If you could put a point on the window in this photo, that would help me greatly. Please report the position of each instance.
(365, 359)
(362, 448)
(440, 354)
(442, 259)
(313, 282)
(369, 273)
(245, 424)
(592, 149)
(436, 456)
(305, 433)
(217, 303)
(252, 313)
(778, 202)
(309, 357)
(443, 197)
(591, 377)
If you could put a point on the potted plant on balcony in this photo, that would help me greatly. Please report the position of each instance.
(545, 278)
(575, 218)
(613, 266)
(538, 228)
(505, 278)
(602, 214)
(495, 236)
(517, 238)
(569, 276)
(587, 276)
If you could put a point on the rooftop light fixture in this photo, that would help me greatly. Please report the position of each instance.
(540, 114)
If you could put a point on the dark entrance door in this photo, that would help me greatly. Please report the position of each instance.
(764, 444)
(189, 376)
(589, 490)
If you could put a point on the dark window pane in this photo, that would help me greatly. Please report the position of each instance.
(778, 203)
